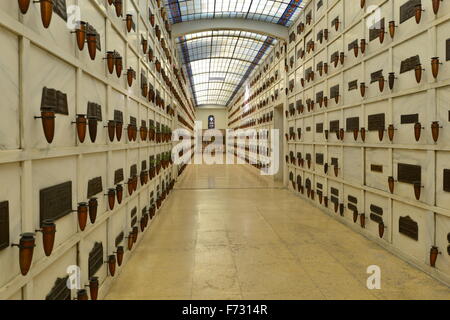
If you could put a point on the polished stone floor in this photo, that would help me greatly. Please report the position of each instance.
(228, 233)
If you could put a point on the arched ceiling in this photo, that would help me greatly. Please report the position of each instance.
(218, 62)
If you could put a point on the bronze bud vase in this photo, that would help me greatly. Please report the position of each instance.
(130, 132)
(82, 213)
(129, 22)
(130, 241)
(119, 7)
(436, 4)
(26, 249)
(391, 80)
(417, 131)
(363, 134)
(119, 66)
(381, 134)
(362, 220)
(110, 61)
(152, 20)
(46, 12)
(130, 75)
(92, 45)
(81, 124)
(362, 89)
(355, 216)
(435, 66)
(363, 45)
(325, 68)
(392, 27)
(93, 205)
(93, 124)
(418, 73)
(82, 295)
(417, 190)
(130, 186)
(111, 130)
(381, 82)
(381, 228)
(119, 254)
(435, 130)
(341, 209)
(342, 58)
(48, 236)
(341, 134)
(336, 207)
(336, 170)
(391, 131)
(355, 134)
(24, 6)
(80, 34)
(391, 183)
(135, 234)
(356, 51)
(144, 43)
(381, 34)
(418, 13)
(362, 3)
(112, 265)
(119, 129)
(119, 193)
(320, 198)
(325, 202)
(111, 198)
(48, 124)
(93, 288)
(434, 251)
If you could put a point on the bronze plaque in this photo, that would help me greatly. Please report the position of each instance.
(143, 79)
(409, 64)
(334, 56)
(319, 186)
(352, 207)
(352, 123)
(376, 209)
(319, 4)
(409, 118)
(407, 10)
(334, 199)
(319, 127)
(334, 91)
(408, 173)
(446, 180)
(334, 126)
(308, 156)
(308, 184)
(119, 239)
(144, 165)
(53, 100)
(408, 227)
(335, 192)
(447, 49)
(133, 170)
(334, 161)
(353, 45)
(133, 212)
(319, 158)
(376, 168)
(118, 116)
(353, 85)
(91, 30)
(374, 30)
(375, 76)
(133, 121)
(319, 96)
(319, 65)
(352, 199)
(376, 121)
(308, 129)
(95, 260)
(94, 111)
(375, 218)
(60, 8)
(118, 176)
(55, 202)
(308, 71)
(95, 186)
(4, 225)
(60, 291)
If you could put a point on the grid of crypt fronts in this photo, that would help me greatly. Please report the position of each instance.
(42, 170)
(367, 117)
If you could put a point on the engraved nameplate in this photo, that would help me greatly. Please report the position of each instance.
(352, 207)
(376, 218)
(353, 85)
(334, 199)
(408, 10)
(94, 111)
(334, 126)
(133, 170)
(4, 225)
(376, 209)
(335, 56)
(408, 173)
(118, 176)
(319, 127)
(118, 116)
(376, 121)
(133, 121)
(319, 186)
(353, 45)
(375, 76)
(60, 291)
(374, 30)
(319, 66)
(408, 227)
(119, 239)
(60, 8)
(144, 165)
(334, 92)
(376, 168)
(334, 161)
(319, 158)
(352, 123)
(352, 199)
(334, 191)
(55, 202)
(308, 157)
(409, 64)
(308, 129)
(409, 118)
(308, 71)
(94, 187)
(319, 96)
(446, 180)
(53, 100)
(95, 260)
